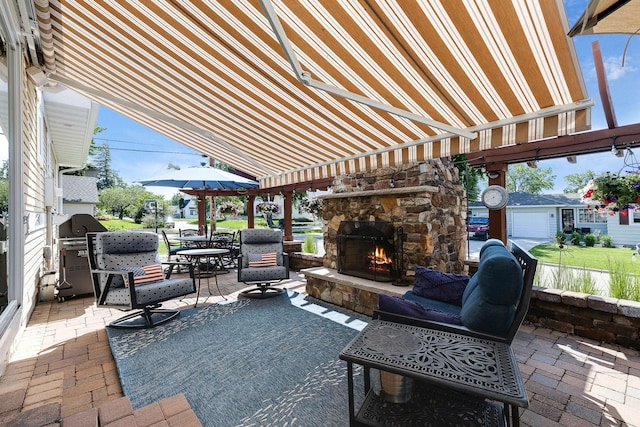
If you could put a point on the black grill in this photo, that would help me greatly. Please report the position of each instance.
(74, 276)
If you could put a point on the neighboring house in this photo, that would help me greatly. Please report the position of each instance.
(542, 216)
(79, 195)
(624, 227)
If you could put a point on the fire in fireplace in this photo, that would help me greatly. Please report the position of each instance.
(370, 249)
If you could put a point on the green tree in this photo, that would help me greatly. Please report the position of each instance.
(115, 200)
(107, 177)
(129, 201)
(521, 178)
(469, 177)
(577, 181)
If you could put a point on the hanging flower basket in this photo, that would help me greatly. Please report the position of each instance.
(611, 192)
(266, 208)
(312, 206)
(228, 208)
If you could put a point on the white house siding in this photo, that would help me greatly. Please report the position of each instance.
(34, 180)
(34, 169)
(628, 235)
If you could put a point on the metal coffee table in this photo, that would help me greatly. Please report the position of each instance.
(455, 375)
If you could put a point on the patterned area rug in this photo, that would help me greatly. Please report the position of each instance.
(251, 362)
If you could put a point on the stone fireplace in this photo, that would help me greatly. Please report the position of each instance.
(425, 203)
(425, 200)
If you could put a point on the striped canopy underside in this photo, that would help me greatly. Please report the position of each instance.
(213, 76)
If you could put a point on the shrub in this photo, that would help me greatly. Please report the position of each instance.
(623, 284)
(589, 239)
(309, 245)
(575, 238)
(606, 240)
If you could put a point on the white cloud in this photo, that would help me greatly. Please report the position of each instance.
(614, 69)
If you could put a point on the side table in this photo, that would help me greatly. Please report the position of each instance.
(204, 255)
(449, 368)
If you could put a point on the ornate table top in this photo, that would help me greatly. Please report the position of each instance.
(478, 366)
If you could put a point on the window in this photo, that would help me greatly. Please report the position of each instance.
(590, 215)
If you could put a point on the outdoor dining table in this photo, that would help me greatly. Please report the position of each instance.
(204, 256)
(197, 241)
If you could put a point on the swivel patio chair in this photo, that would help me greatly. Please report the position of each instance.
(262, 261)
(127, 275)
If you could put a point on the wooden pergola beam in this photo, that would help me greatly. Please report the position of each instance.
(571, 145)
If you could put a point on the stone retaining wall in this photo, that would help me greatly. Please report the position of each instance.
(599, 318)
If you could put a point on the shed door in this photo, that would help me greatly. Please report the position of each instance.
(530, 224)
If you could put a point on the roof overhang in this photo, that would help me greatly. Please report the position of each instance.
(71, 120)
(294, 91)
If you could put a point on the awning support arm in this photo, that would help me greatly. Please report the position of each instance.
(306, 79)
(159, 116)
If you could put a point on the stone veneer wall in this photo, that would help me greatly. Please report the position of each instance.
(426, 199)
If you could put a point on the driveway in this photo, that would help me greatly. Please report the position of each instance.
(474, 245)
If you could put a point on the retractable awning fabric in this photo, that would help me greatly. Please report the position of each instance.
(214, 76)
(608, 17)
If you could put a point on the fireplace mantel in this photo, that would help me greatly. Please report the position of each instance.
(384, 192)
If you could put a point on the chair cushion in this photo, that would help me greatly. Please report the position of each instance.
(146, 274)
(151, 293)
(434, 284)
(410, 308)
(490, 299)
(262, 274)
(263, 260)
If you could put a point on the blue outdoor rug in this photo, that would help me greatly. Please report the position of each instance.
(251, 362)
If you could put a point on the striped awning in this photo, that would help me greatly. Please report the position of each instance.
(296, 90)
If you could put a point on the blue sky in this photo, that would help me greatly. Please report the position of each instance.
(140, 153)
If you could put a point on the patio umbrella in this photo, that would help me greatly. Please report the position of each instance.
(200, 177)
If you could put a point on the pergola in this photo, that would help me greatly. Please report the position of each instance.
(293, 93)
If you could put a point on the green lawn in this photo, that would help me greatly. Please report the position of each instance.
(580, 256)
(120, 224)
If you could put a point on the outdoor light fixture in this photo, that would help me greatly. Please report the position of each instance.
(532, 164)
(571, 159)
(493, 174)
(616, 152)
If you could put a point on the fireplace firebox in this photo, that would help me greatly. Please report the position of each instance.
(370, 249)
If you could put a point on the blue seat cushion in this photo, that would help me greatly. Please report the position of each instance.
(406, 307)
(433, 304)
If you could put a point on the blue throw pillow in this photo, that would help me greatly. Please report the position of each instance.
(405, 307)
(434, 284)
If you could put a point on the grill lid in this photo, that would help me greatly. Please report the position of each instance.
(79, 225)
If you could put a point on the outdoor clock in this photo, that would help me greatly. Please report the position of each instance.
(494, 197)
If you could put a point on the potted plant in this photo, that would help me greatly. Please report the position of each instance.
(312, 206)
(611, 192)
(266, 208)
(228, 208)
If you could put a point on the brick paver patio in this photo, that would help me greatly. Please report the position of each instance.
(63, 370)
